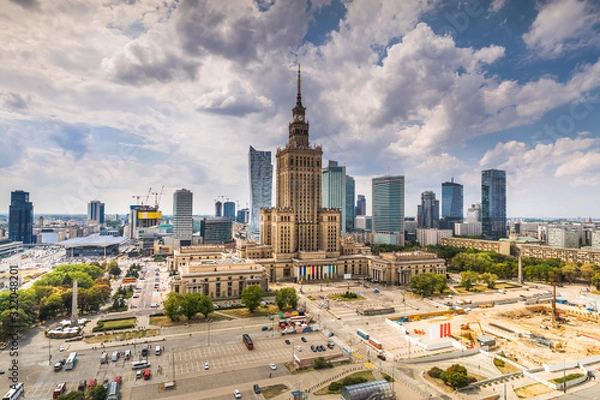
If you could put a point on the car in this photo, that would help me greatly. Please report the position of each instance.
(381, 357)
(322, 348)
(206, 366)
(82, 385)
(61, 348)
(62, 361)
(92, 383)
(105, 383)
(331, 334)
(264, 328)
(2, 372)
(273, 366)
(136, 296)
(57, 367)
(257, 388)
(139, 374)
(237, 394)
(298, 348)
(313, 348)
(118, 379)
(287, 341)
(303, 339)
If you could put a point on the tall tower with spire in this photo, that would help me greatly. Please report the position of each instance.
(298, 223)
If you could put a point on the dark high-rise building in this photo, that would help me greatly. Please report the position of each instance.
(20, 218)
(452, 204)
(350, 190)
(361, 205)
(218, 209)
(96, 211)
(429, 211)
(261, 185)
(493, 203)
(229, 209)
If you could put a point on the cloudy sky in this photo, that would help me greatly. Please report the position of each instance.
(104, 99)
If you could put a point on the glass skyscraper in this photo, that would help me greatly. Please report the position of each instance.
(388, 204)
(334, 190)
(361, 205)
(452, 204)
(493, 203)
(261, 185)
(20, 218)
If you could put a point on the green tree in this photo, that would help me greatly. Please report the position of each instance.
(98, 392)
(468, 279)
(424, 284)
(320, 363)
(286, 297)
(570, 271)
(596, 280)
(190, 305)
(252, 296)
(74, 395)
(588, 271)
(205, 305)
(456, 380)
(489, 279)
(114, 270)
(172, 306)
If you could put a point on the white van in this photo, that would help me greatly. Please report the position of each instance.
(158, 350)
(140, 364)
(115, 356)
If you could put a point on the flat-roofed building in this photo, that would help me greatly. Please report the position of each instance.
(401, 266)
(502, 247)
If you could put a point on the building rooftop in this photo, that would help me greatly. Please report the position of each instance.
(100, 241)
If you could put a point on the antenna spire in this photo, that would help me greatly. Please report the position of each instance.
(299, 96)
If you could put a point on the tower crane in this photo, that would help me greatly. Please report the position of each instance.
(158, 196)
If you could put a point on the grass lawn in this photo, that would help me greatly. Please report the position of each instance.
(340, 297)
(508, 368)
(164, 321)
(119, 324)
(533, 390)
(123, 336)
(245, 313)
(269, 392)
(474, 289)
(368, 375)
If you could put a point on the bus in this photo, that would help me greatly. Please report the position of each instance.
(247, 341)
(59, 389)
(362, 334)
(71, 361)
(375, 343)
(15, 392)
(113, 392)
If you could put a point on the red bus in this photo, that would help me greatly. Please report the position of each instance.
(60, 389)
(375, 343)
(247, 341)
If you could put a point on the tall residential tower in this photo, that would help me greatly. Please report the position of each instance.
(96, 212)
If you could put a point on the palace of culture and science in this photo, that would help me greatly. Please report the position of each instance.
(299, 240)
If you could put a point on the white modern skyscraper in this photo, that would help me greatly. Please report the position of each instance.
(183, 225)
(261, 185)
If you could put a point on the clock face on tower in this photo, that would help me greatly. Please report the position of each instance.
(299, 117)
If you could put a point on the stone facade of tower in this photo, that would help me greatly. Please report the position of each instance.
(298, 223)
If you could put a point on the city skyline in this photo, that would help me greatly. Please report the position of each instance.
(149, 96)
